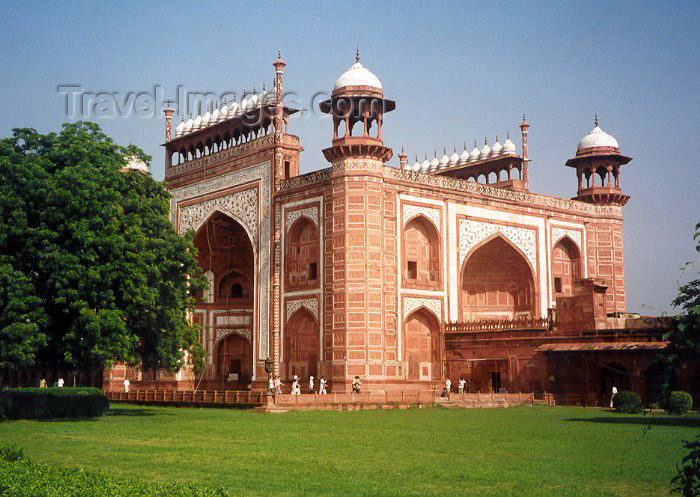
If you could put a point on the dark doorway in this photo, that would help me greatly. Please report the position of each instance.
(496, 381)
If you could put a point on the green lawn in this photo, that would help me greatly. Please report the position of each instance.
(528, 451)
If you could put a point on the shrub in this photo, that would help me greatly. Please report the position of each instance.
(679, 402)
(48, 403)
(628, 402)
(27, 479)
(687, 480)
(12, 453)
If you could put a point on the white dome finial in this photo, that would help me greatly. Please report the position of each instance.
(357, 54)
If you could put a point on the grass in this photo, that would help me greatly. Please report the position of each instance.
(527, 451)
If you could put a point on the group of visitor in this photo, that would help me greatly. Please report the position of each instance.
(448, 386)
(275, 385)
(58, 383)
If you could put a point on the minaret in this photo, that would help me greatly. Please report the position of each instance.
(279, 123)
(168, 111)
(597, 163)
(402, 159)
(524, 126)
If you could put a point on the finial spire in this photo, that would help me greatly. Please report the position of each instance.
(402, 149)
(596, 119)
(357, 54)
(234, 97)
(486, 141)
(523, 117)
(435, 153)
(279, 53)
(507, 135)
(263, 86)
(255, 90)
(454, 149)
(496, 137)
(465, 145)
(444, 150)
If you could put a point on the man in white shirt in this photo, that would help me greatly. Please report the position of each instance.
(614, 392)
(461, 384)
(322, 386)
(311, 384)
(126, 385)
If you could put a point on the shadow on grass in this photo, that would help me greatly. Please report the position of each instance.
(657, 420)
(135, 412)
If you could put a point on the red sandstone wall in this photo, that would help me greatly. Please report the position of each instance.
(606, 261)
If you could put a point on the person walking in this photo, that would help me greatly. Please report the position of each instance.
(296, 390)
(42, 383)
(127, 383)
(271, 385)
(322, 386)
(448, 386)
(460, 385)
(60, 383)
(311, 384)
(614, 392)
(278, 385)
(356, 384)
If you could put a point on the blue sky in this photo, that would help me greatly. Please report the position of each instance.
(458, 71)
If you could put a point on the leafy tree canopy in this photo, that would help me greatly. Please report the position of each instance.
(685, 330)
(91, 269)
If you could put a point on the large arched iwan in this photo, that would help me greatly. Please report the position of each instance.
(302, 255)
(422, 345)
(497, 283)
(225, 249)
(421, 254)
(566, 267)
(234, 355)
(301, 344)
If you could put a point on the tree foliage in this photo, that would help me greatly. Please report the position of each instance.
(91, 269)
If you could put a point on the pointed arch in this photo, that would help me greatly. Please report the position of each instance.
(302, 255)
(566, 266)
(497, 282)
(421, 253)
(421, 345)
(301, 344)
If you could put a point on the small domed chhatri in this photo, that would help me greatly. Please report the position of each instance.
(357, 76)
(596, 139)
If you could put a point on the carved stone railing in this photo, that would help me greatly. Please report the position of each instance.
(305, 179)
(500, 193)
(221, 155)
(499, 325)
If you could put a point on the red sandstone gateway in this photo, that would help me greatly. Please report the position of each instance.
(402, 276)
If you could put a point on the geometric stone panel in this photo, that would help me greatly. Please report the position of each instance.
(224, 332)
(473, 232)
(241, 206)
(558, 233)
(410, 211)
(309, 212)
(410, 304)
(310, 304)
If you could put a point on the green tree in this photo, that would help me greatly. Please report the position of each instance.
(91, 268)
(684, 338)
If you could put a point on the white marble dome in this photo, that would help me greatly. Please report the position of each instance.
(416, 166)
(496, 149)
(188, 125)
(474, 155)
(180, 128)
(597, 138)
(508, 147)
(425, 166)
(454, 158)
(485, 151)
(133, 162)
(464, 158)
(357, 75)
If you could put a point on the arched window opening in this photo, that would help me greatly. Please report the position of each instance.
(234, 286)
(566, 267)
(421, 346)
(234, 359)
(301, 344)
(421, 254)
(302, 255)
(497, 283)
